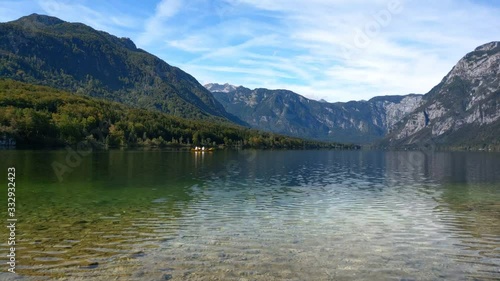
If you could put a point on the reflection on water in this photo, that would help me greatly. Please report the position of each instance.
(259, 215)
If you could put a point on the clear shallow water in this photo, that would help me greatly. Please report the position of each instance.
(257, 215)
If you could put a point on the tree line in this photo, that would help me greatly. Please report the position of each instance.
(43, 116)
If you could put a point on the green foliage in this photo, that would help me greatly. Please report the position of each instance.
(71, 56)
(39, 115)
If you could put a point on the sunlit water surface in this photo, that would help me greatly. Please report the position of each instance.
(256, 215)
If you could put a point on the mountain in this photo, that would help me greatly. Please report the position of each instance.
(72, 56)
(40, 115)
(462, 110)
(286, 112)
(214, 87)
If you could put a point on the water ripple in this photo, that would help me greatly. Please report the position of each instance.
(282, 216)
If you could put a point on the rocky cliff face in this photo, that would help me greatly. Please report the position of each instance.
(464, 109)
(286, 112)
(391, 112)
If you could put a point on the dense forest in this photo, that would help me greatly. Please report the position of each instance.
(42, 116)
(74, 57)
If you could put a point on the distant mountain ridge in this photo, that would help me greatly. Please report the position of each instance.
(48, 51)
(462, 111)
(286, 112)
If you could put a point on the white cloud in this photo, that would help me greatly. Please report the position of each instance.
(331, 49)
(118, 23)
(167, 8)
(155, 25)
(12, 10)
(338, 51)
(192, 43)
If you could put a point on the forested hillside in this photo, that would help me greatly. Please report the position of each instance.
(45, 50)
(40, 115)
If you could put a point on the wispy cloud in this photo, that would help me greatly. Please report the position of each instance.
(11, 10)
(337, 50)
(155, 26)
(357, 49)
(118, 22)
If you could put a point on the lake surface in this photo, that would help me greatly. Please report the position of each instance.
(255, 215)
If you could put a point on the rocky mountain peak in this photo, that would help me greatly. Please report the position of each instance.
(41, 19)
(488, 46)
(483, 61)
(128, 43)
(215, 87)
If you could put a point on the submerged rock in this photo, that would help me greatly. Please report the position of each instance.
(91, 265)
(138, 254)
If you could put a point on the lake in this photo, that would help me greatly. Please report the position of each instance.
(254, 215)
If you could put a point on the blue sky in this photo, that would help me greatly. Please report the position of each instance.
(337, 50)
